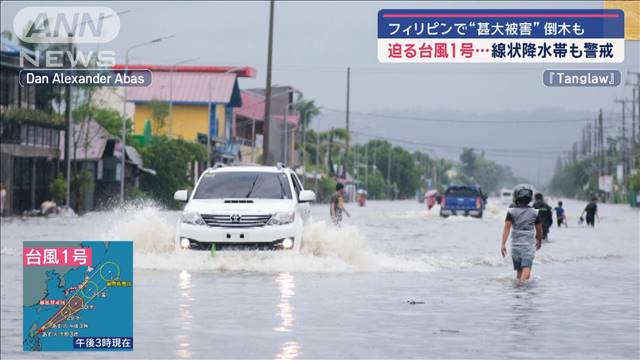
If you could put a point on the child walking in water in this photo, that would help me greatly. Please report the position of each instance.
(525, 226)
(560, 215)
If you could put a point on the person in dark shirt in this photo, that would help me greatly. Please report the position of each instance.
(592, 212)
(561, 218)
(544, 211)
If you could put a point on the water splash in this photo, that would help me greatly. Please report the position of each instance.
(145, 223)
(326, 249)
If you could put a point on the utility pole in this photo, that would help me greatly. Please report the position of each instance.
(389, 165)
(636, 98)
(633, 117)
(355, 160)
(583, 143)
(303, 141)
(589, 143)
(123, 134)
(366, 169)
(267, 105)
(330, 155)
(601, 141)
(317, 161)
(286, 134)
(434, 169)
(624, 136)
(375, 158)
(595, 137)
(347, 112)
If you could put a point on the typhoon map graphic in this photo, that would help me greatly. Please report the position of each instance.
(78, 296)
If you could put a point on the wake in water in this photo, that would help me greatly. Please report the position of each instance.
(494, 210)
(325, 248)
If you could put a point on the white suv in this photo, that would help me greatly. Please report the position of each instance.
(244, 207)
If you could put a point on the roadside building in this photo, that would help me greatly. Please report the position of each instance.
(281, 134)
(29, 138)
(98, 154)
(200, 100)
(252, 112)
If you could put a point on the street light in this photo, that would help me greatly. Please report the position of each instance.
(173, 67)
(124, 109)
(286, 124)
(69, 127)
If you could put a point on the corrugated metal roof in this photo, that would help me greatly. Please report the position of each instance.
(187, 87)
(240, 71)
(253, 108)
(90, 139)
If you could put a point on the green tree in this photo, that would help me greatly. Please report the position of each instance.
(469, 162)
(577, 179)
(307, 110)
(159, 114)
(170, 158)
(480, 170)
(379, 156)
(108, 118)
(58, 189)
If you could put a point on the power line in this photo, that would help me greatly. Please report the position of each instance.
(449, 121)
(510, 152)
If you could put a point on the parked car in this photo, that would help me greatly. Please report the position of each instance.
(244, 207)
(467, 200)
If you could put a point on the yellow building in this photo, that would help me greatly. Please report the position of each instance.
(200, 100)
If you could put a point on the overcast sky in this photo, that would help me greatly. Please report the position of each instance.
(314, 42)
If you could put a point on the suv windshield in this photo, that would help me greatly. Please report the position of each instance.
(461, 192)
(254, 185)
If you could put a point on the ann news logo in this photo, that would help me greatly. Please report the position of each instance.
(64, 25)
(44, 25)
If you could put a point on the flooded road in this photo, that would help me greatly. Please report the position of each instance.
(348, 293)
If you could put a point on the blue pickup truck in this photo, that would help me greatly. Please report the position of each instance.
(467, 200)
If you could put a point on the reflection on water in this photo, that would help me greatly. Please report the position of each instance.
(289, 350)
(286, 285)
(524, 311)
(285, 309)
(185, 315)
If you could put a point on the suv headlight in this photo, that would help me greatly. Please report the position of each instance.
(193, 218)
(282, 218)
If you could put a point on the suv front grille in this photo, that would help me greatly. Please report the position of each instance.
(235, 220)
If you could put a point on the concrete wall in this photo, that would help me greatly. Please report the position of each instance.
(188, 120)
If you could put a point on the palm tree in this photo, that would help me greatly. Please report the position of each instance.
(328, 145)
(307, 110)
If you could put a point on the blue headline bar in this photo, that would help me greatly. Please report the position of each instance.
(496, 24)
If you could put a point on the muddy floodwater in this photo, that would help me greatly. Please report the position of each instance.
(349, 293)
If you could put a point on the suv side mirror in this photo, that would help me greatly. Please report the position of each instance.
(181, 195)
(306, 196)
